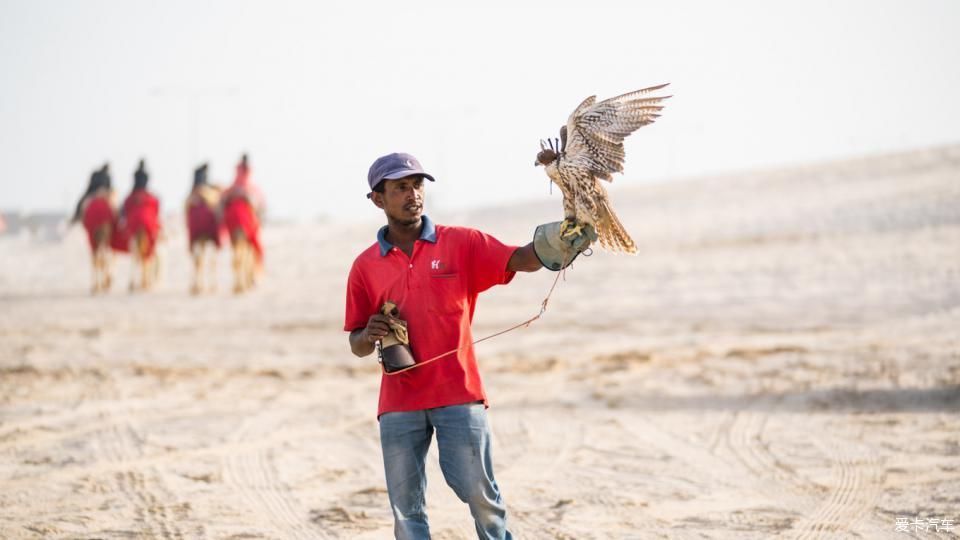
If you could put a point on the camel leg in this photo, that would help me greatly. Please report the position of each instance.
(144, 273)
(107, 263)
(240, 247)
(103, 262)
(154, 266)
(151, 266)
(257, 266)
(136, 260)
(235, 262)
(212, 264)
(95, 264)
(248, 264)
(238, 265)
(196, 253)
(146, 260)
(133, 265)
(252, 265)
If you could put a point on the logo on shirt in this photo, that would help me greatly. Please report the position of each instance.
(436, 264)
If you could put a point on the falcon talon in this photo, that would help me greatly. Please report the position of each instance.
(556, 252)
(574, 231)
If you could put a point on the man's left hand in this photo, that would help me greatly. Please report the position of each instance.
(556, 249)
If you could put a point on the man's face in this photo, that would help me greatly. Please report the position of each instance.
(402, 199)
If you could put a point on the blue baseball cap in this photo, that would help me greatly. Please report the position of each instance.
(394, 166)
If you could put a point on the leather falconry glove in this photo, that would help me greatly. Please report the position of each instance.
(557, 251)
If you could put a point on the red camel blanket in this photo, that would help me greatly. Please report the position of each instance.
(141, 212)
(96, 214)
(239, 214)
(202, 222)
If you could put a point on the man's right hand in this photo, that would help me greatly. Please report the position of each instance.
(363, 340)
(378, 326)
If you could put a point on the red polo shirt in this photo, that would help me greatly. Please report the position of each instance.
(435, 290)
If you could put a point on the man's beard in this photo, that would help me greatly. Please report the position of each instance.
(406, 220)
(409, 222)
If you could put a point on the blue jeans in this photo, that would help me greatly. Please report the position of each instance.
(463, 439)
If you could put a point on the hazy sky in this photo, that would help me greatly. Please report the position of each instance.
(315, 92)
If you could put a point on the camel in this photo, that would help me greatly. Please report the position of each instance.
(96, 211)
(204, 229)
(140, 222)
(242, 204)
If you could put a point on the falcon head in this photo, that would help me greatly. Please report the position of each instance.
(546, 155)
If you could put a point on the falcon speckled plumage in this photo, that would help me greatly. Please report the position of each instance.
(590, 148)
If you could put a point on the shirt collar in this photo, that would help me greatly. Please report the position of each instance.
(429, 234)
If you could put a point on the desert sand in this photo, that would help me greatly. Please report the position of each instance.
(781, 359)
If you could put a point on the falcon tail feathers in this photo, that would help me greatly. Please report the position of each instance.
(613, 236)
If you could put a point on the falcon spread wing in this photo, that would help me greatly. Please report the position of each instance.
(595, 131)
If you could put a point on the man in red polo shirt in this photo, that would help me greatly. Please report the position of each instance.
(433, 274)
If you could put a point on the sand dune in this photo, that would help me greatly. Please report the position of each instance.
(782, 359)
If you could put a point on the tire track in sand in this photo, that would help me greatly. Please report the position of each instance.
(252, 472)
(84, 419)
(253, 475)
(645, 431)
(545, 450)
(857, 486)
(830, 510)
(548, 454)
(121, 443)
(744, 438)
(790, 494)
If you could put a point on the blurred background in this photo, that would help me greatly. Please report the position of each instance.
(315, 92)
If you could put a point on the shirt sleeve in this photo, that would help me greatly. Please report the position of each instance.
(488, 262)
(358, 309)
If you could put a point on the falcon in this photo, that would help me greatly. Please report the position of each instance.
(590, 149)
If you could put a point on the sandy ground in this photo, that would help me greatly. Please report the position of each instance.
(781, 360)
